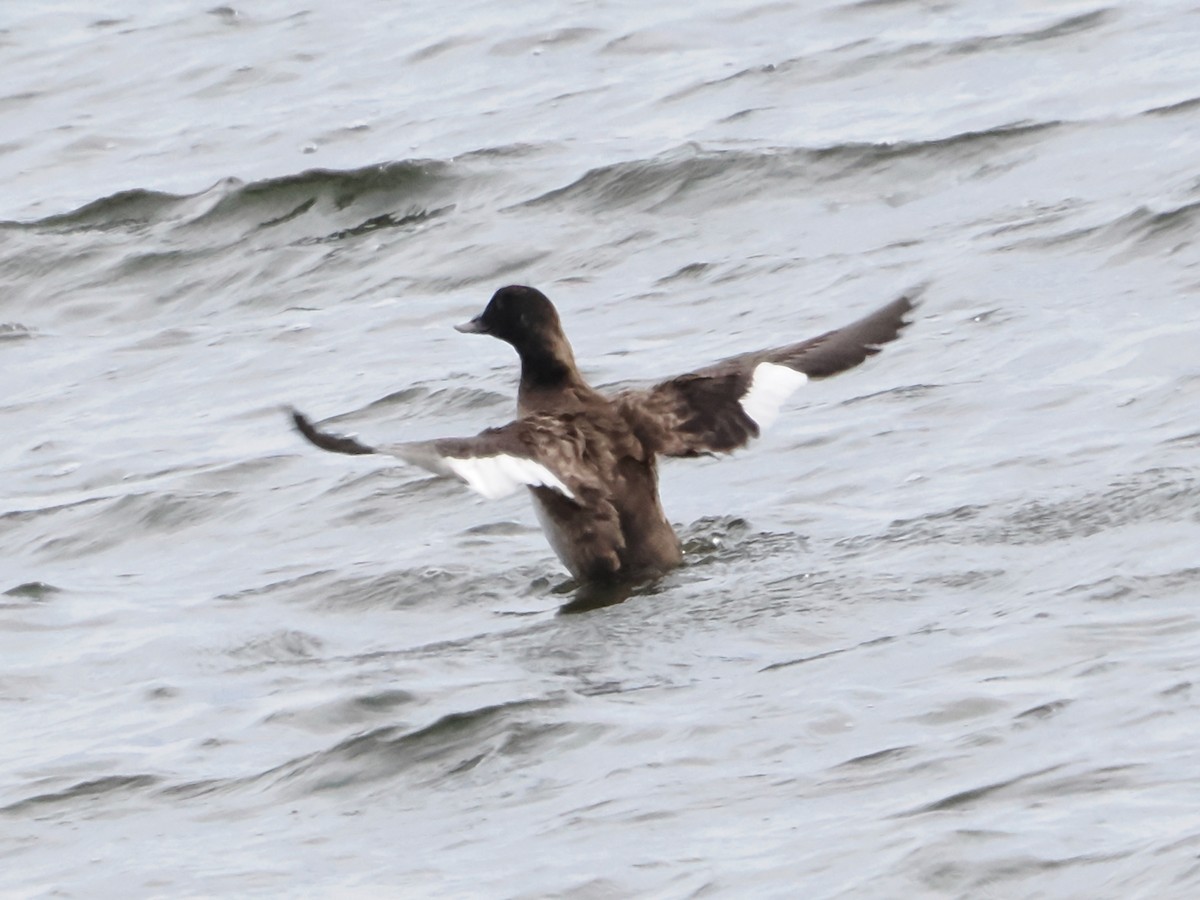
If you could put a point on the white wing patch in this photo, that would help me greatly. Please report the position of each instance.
(499, 476)
(770, 385)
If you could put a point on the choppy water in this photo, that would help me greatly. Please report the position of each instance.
(938, 632)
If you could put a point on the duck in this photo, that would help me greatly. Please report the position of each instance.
(589, 460)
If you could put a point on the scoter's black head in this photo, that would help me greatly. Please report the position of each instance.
(517, 314)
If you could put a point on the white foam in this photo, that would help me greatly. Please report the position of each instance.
(770, 386)
(498, 476)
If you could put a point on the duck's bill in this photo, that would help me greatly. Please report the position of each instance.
(475, 326)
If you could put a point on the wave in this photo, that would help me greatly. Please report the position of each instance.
(450, 745)
(327, 205)
(1182, 106)
(880, 54)
(15, 331)
(1140, 231)
(1155, 495)
(84, 790)
(34, 591)
(661, 181)
(1071, 25)
(348, 202)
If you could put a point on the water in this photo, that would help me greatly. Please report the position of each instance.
(937, 634)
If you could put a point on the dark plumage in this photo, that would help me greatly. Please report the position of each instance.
(589, 460)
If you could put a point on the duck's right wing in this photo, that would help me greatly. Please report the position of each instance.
(722, 407)
(495, 463)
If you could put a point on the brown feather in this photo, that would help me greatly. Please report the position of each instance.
(701, 412)
(612, 526)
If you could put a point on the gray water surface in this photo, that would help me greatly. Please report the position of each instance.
(937, 634)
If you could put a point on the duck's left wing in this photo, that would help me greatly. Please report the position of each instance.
(494, 463)
(722, 407)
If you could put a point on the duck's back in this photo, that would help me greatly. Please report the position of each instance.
(614, 528)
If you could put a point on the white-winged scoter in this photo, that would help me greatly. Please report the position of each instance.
(589, 460)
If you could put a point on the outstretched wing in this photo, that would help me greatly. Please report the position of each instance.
(495, 462)
(720, 408)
